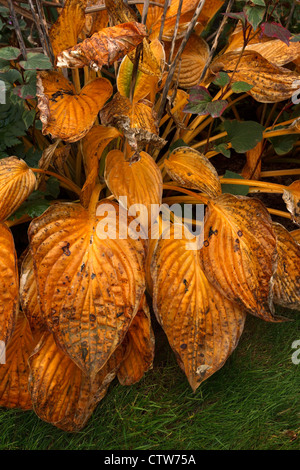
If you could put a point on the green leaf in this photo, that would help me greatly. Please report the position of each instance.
(36, 60)
(34, 206)
(52, 187)
(28, 117)
(4, 65)
(254, 15)
(284, 143)
(176, 144)
(222, 148)
(241, 87)
(222, 79)
(11, 76)
(234, 188)
(259, 2)
(9, 53)
(243, 135)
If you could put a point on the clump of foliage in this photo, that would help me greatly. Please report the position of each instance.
(106, 106)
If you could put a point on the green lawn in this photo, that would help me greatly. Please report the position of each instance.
(253, 402)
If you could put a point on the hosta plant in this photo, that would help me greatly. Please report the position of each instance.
(124, 124)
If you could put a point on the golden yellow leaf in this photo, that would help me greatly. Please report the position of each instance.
(17, 181)
(9, 283)
(238, 254)
(95, 21)
(152, 59)
(119, 12)
(208, 11)
(139, 351)
(287, 276)
(274, 50)
(154, 16)
(61, 394)
(65, 31)
(89, 286)
(14, 373)
(270, 82)
(145, 86)
(192, 61)
(291, 197)
(296, 235)
(202, 326)
(139, 180)
(93, 145)
(64, 113)
(192, 169)
(252, 167)
(104, 47)
(29, 297)
(138, 121)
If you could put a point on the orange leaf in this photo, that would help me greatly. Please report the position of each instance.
(95, 21)
(64, 113)
(239, 252)
(274, 50)
(61, 394)
(296, 235)
(9, 282)
(29, 297)
(271, 83)
(287, 275)
(14, 373)
(139, 180)
(291, 197)
(139, 351)
(193, 60)
(65, 31)
(17, 181)
(93, 145)
(193, 170)
(252, 168)
(202, 326)
(104, 47)
(89, 287)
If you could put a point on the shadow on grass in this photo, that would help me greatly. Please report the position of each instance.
(253, 402)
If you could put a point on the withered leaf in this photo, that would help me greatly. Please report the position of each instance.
(64, 113)
(17, 181)
(291, 197)
(192, 169)
(287, 276)
(104, 47)
(139, 350)
(61, 394)
(89, 286)
(239, 250)
(93, 145)
(29, 297)
(192, 61)
(9, 284)
(138, 121)
(252, 167)
(65, 31)
(138, 179)
(270, 83)
(202, 326)
(15, 372)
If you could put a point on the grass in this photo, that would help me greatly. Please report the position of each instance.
(252, 403)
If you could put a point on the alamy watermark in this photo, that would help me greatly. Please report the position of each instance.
(138, 221)
(296, 354)
(2, 92)
(2, 353)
